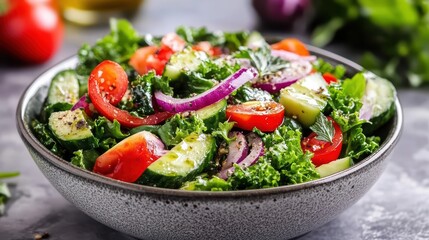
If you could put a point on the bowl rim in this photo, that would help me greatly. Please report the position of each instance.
(30, 140)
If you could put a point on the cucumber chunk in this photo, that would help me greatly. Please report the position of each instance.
(182, 163)
(213, 114)
(378, 102)
(72, 130)
(64, 88)
(334, 166)
(186, 60)
(305, 99)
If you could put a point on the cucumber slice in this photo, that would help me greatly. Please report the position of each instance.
(186, 60)
(72, 130)
(334, 166)
(213, 114)
(305, 99)
(182, 163)
(378, 102)
(64, 88)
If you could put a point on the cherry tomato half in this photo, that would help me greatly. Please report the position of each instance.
(324, 152)
(265, 116)
(291, 45)
(30, 31)
(155, 58)
(329, 78)
(128, 159)
(113, 73)
(207, 48)
(146, 59)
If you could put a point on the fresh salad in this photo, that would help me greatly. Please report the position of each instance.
(210, 111)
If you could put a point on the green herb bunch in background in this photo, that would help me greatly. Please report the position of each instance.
(4, 190)
(395, 33)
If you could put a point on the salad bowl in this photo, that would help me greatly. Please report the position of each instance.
(157, 213)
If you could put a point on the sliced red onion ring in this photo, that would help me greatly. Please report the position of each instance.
(257, 150)
(82, 103)
(295, 71)
(290, 56)
(237, 150)
(208, 97)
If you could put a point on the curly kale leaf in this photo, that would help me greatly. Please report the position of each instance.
(217, 69)
(222, 131)
(103, 128)
(345, 101)
(179, 127)
(324, 67)
(205, 183)
(141, 91)
(345, 109)
(47, 138)
(259, 175)
(359, 145)
(85, 158)
(284, 152)
(247, 93)
(118, 46)
(207, 74)
(229, 40)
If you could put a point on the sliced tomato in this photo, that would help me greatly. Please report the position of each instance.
(291, 45)
(324, 152)
(128, 159)
(207, 48)
(329, 78)
(265, 116)
(112, 72)
(112, 81)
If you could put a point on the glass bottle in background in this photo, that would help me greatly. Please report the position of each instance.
(93, 12)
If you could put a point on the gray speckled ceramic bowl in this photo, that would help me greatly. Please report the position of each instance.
(156, 213)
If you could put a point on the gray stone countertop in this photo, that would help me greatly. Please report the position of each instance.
(397, 207)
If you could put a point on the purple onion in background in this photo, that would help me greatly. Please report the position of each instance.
(280, 13)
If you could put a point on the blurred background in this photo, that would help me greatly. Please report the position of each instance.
(389, 37)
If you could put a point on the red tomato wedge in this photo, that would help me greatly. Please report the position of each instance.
(145, 59)
(128, 159)
(291, 45)
(265, 116)
(207, 48)
(329, 78)
(113, 73)
(154, 57)
(324, 152)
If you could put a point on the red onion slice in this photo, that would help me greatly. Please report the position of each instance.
(223, 89)
(82, 103)
(237, 150)
(290, 56)
(295, 71)
(257, 150)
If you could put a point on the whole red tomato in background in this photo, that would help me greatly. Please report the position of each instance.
(31, 31)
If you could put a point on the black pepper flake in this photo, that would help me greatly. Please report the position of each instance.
(80, 124)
